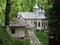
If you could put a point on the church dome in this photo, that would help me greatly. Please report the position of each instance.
(43, 10)
(36, 6)
(40, 10)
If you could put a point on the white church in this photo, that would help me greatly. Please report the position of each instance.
(36, 19)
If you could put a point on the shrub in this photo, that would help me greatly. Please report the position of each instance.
(16, 42)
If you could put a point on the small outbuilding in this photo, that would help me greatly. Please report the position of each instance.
(17, 28)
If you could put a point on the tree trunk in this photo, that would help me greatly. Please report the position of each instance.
(7, 15)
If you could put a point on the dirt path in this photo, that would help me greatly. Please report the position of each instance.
(33, 39)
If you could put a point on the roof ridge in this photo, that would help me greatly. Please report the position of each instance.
(18, 21)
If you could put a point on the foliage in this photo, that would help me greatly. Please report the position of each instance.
(43, 37)
(54, 18)
(26, 42)
(7, 39)
(22, 5)
(16, 42)
(2, 9)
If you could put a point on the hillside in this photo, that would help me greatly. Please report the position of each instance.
(6, 39)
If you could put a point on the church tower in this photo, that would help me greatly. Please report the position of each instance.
(36, 8)
(42, 11)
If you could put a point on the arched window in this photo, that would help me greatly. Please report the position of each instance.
(39, 24)
(42, 24)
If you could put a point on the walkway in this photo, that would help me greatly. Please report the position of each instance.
(34, 40)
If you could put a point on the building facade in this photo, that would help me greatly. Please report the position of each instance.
(16, 28)
(36, 19)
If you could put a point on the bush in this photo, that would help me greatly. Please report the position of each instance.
(26, 42)
(37, 30)
(7, 39)
(43, 37)
(16, 42)
(42, 30)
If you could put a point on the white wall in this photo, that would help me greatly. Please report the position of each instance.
(18, 33)
(30, 23)
(42, 27)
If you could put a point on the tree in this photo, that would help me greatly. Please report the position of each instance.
(54, 19)
(7, 15)
(2, 10)
(22, 6)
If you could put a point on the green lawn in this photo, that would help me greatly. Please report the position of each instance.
(21, 42)
(26, 42)
(42, 36)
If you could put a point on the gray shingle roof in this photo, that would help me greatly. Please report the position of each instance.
(16, 23)
(31, 15)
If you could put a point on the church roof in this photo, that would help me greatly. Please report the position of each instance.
(16, 23)
(31, 15)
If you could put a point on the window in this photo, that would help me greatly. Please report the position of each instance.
(42, 24)
(13, 30)
(39, 24)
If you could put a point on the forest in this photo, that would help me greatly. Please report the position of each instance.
(22, 6)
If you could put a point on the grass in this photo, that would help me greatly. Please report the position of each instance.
(8, 40)
(16, 42)
(42, 36)
(26, 42)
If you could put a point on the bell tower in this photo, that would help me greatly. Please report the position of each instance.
(36, 8)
